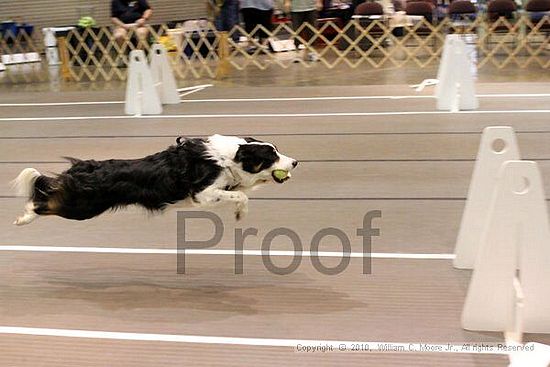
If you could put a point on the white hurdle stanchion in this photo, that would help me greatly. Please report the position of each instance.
(141, 94)
(516, 237)
(2, 67)
(498, 145)
(456, 88)
(163, 76)
(537, 355)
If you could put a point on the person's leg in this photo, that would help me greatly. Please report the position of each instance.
(120, 35)
(231, 17)
(248, 17)
(265, 21)
(310, 18)
(219, 21)
(227, 18)
(142, 33)
(251, 18)
(297, 20)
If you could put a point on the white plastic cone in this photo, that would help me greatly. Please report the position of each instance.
(141, 94)
(456, 88)
(517, 236)
(163, 76)
(532, 355)
(444, 63)
(498, 145)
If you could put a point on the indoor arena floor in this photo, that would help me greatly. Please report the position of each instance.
(359, 150)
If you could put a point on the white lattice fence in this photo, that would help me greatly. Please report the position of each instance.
(94, 54)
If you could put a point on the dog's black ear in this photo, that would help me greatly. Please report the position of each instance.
(255, 157)
(180, 140)
(72, 160)
(252, 140)
(245, 156)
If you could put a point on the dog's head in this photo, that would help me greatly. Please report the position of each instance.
(262, 160)
(254, 161)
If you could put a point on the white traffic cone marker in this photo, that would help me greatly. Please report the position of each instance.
(498, 145)
(456, 88)
(516, 237)
(163, 75)
(141, 94)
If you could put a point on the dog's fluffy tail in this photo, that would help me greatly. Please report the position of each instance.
(24, 183)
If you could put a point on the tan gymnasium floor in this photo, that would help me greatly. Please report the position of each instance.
(358, 151)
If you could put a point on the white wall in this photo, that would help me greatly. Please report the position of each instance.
(44, 13)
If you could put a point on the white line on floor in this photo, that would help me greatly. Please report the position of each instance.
(329, 98)
(275, 99)
(122, 250)
(195, 87)
(183, 94)
(264, 115)
(49, 104)
(263, 342)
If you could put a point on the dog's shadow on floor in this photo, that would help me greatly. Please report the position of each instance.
(200, 297)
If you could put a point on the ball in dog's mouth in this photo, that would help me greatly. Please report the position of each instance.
(280, 175)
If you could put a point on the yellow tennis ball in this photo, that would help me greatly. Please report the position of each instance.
(281, 174)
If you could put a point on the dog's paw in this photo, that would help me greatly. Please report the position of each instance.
(241, 209)
(22, 220)
(28, 215)
(241, 212)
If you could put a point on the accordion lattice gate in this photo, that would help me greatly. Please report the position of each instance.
(93, 53)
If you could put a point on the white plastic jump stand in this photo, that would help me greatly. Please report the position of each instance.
(456, 89)
(2, 67)
(50, 42)
(141, 95)
(163, 76)
(538, 357)
(516, 237)
(498, 145)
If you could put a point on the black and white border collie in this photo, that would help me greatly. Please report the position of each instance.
(196, 171)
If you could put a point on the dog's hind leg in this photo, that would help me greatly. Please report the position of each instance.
(24, 185)
(28, 216)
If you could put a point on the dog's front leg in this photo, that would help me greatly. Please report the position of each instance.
(211, 196)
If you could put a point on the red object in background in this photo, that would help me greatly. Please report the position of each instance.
(280, 18)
